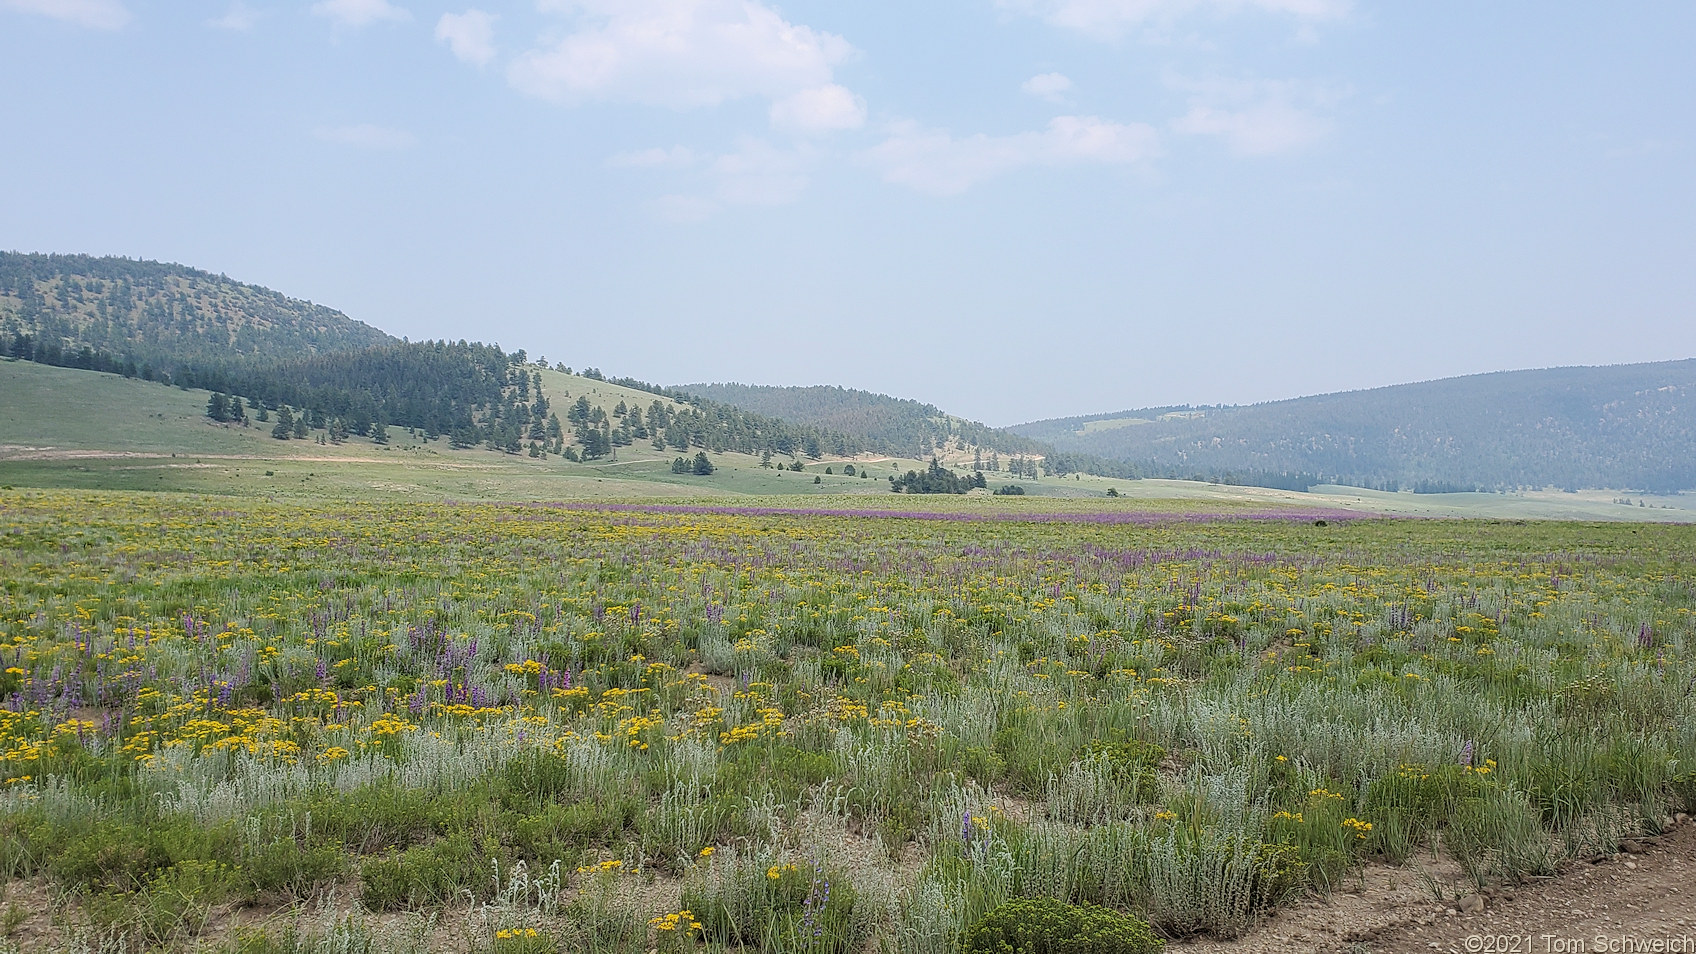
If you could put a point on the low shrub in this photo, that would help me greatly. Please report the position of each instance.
(284, 866)
(1051, 926)
(424, 875)
(750, 902)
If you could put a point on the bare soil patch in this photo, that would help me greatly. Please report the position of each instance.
(1624, 902)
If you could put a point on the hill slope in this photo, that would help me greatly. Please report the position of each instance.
(66, 427)
(117, 314)
(182, 326)
(1621, 426)
(887, 424)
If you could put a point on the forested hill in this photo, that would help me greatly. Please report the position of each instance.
(300, 367)
(118, 314)
(896, 425)
(1621, 426)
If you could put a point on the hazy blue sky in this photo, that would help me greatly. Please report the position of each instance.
(1011, 208)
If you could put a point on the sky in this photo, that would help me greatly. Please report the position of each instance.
(1013, 209)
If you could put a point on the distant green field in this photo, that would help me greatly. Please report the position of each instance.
(67, 428)
(1112, 423)
(62, 427)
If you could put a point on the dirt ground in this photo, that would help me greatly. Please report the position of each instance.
(1636, 901)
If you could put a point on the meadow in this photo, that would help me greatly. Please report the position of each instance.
(239, 725)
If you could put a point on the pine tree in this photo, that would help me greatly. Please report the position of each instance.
(285, 424)
(703, 466)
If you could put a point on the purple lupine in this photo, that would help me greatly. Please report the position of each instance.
(1466, 753)
(322, 671)
(1645, 636)
(818, 896)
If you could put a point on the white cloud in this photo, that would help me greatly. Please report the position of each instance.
(1049, 86)
(1256, 117)
(934, 161)
(677, 157)
(358, 13)
(755, 173)
(366, 136)
(1110, 18)
(676, 53)
(240, 17)
(682, 208)
(99, 14)
(821, 109)
(470, 35)
(758, 173)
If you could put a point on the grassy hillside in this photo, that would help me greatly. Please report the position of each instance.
(889, 424)
(1628, 426)
(62, 427)
(154, 316)
(69, 428)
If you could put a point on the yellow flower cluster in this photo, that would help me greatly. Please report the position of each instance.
(391, 724)
(676, 921)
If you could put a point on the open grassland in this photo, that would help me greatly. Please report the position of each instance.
(66, 428)
(252, 726)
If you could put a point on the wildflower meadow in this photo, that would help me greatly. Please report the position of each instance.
(242, 726)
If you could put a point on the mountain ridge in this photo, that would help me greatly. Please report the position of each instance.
(896, 422)
(133, 314)
(1624, 425)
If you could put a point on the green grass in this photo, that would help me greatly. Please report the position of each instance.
(47, 408)
(67, 428)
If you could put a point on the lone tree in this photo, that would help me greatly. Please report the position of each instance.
(285, 424)
(703, 466)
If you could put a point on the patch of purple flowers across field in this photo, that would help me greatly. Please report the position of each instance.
(1141, 518)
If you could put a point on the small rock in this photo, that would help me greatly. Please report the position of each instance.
(1632, 865)
(1632, 846)
(1472, 904)
(1680, 818)
(1450, 912)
